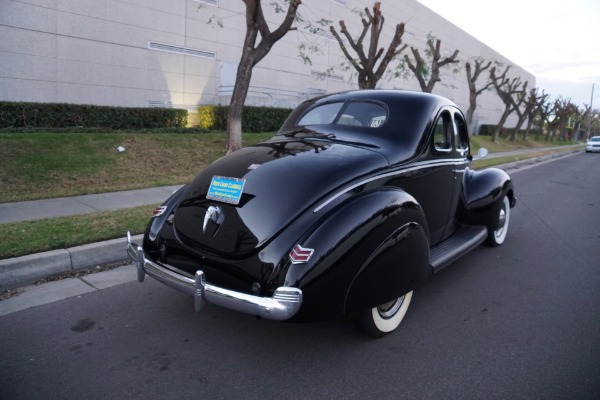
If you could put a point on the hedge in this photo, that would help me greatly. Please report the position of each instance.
(59, 115)
(488, 130)
(254, 119)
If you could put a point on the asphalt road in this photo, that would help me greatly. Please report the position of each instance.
(521, 321)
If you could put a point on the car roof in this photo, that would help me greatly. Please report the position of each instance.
(400, 137)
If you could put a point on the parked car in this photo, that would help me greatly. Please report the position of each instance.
(358, 199)
(593, 144)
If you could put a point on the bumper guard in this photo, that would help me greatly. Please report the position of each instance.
(284, 303)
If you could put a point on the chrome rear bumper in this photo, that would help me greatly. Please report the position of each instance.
(284, 303)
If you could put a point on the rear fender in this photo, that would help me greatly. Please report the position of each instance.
(351, 245)
(397, 266)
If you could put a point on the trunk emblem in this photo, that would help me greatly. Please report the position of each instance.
(213, 215)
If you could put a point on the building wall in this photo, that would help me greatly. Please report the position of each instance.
(183, 53)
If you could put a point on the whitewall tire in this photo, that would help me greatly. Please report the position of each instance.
(497, 236)
(380, 321)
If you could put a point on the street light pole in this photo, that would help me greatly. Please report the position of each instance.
(589, 125)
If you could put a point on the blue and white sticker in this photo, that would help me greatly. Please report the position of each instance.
(226, 190)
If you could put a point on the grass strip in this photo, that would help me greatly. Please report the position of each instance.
(29, 237)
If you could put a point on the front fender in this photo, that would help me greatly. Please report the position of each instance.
(482, 196)
(353, 244)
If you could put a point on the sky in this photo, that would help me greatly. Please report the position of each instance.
(557, 41)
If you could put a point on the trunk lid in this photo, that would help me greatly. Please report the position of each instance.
(281, 180)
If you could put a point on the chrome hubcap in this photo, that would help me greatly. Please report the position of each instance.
(388, 310)
(502, 218)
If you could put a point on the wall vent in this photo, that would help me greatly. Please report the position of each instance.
(186, 51)
(324, 34)
(342, 2)
(159, 104)
(327, 75)
(209, 2)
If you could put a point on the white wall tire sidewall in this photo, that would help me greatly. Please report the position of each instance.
(390, 324)
(500, 234)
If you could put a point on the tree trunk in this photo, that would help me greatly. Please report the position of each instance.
(515, 131)
(252, 53)
(236, 106)
(471, 109)
(528, 129)
(501, 123)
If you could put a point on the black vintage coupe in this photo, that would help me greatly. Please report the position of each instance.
(359, 198)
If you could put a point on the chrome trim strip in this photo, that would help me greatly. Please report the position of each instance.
(415, 167)
(284, 303)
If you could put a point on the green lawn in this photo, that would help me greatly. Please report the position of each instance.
(49, 165)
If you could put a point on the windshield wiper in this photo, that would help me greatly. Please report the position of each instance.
(297, 131)
(314, 135)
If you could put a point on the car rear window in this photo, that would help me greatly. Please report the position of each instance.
(354, 113)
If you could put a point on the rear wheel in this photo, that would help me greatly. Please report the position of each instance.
(497, 236)
(381, 320)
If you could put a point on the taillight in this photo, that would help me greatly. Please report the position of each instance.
(158, 211)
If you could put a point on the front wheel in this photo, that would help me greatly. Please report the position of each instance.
(497, 236)
(379, 321)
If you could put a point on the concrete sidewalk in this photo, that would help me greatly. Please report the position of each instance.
(66, 206)
(20, 271)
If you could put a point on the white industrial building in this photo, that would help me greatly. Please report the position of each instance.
(183, 53)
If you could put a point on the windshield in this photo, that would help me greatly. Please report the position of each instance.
(354, 113)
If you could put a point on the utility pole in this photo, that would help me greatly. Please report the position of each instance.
(589, 124)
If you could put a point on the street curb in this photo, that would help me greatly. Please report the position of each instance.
(529, 162)
(24, 270)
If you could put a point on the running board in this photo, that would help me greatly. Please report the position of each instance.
(463, 241)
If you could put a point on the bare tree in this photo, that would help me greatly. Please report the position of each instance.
(534, 111)
(562, 109)
(570, 114)
(594, 122)
(544, 107)
(554, 122)
(580, 115)
(519, 100)
(365, 65)
(472, 77)
(427, 70)
(252, 53)
(506, 88)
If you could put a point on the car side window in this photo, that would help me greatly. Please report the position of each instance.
(443, 132)
(462, 134)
